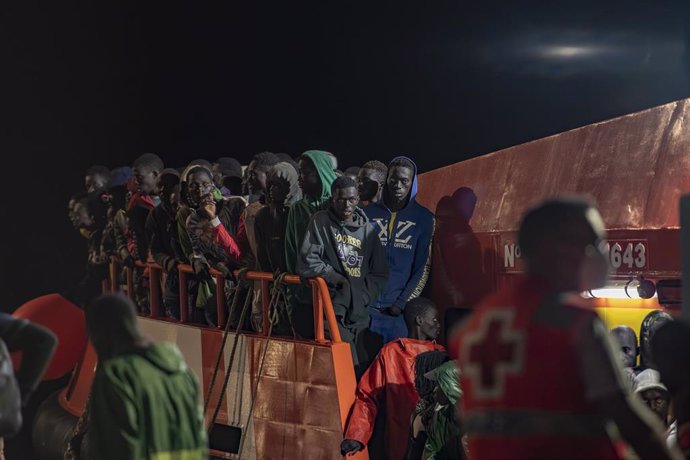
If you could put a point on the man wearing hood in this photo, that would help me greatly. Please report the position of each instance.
(341, 246)
(315, 178)
(405, 229)
(145, 401)
(146, 170)
(283, 191)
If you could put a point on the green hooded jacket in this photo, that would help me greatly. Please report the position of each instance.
(146, 404)
(444, 437)
(298, 220)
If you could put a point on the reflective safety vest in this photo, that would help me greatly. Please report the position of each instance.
(524, 395)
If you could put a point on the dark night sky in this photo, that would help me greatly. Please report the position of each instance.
(441, 81)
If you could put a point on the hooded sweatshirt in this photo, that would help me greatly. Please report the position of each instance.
(271, 221)
(145, 404)
(298, 220)
(333, 248)
(407, 240)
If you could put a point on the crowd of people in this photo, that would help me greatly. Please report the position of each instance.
(531, 373)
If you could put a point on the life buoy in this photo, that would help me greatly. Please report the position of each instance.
(67, 322)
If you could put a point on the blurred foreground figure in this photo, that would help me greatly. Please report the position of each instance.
(37, 345)
(145, 401)
(541, 378)
(671, 350)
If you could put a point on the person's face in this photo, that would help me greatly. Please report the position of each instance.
(146, 179)
(594, 266)
(95, 183)
(399, 183)
(657, 400)
(165, 186)
(70, 210)
(217, 175)
(429, 325)
(278, 190)
(199, 187)
(175, 201)
(345, 202)
(256, 179)
(627, 342)
(309, 180)
(82, 218)
(368, 184)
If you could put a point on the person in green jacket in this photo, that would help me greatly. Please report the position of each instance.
(316, 175)
(444, 436)
(145, 401)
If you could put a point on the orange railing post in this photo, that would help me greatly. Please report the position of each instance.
(155, 271)
(220, 298)
(182, 271)
(265, 303)
(130, 283)
(114, 281)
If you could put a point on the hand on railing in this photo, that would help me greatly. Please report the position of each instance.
(322, 304)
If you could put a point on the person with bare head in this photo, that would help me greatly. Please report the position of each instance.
(161, 228)
(541, 377)
(211, 244)
(340, 246)
(371, 179)
(146, 170)
(227, 175)
(96, 179)
(145, 400)
(625, 339)
(388, 385)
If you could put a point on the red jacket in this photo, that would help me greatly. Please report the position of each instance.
(533, 365)
(389, 380)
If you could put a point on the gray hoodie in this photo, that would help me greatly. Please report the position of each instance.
(332, 248)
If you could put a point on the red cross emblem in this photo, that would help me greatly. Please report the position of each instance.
(491, 352)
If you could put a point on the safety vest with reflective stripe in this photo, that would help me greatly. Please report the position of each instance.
(524, 396)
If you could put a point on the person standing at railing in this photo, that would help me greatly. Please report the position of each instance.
(147, 169)
(269, 228)
(96, 179)
(89, 217)
(315, 178)
(256, 182)
(161, 229)
(227, 175)
(211, 243)
(371, 179)
(145, 400)
(340, 246)
(405, 228)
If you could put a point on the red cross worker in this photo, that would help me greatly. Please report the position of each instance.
(541, 380)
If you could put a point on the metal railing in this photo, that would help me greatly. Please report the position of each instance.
(321, 298)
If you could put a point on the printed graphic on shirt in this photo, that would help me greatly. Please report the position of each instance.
(404, 231)
(349, 250)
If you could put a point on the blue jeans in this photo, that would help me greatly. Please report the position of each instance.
(389, 327)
